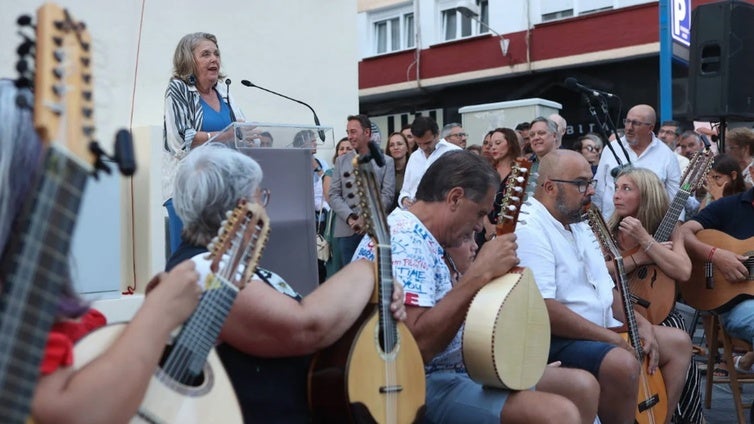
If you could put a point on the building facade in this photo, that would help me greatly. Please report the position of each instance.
(442, 55)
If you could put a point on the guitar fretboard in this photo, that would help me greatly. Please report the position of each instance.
(385, 276)
(666, 227)
(35, 270)
(199, 334)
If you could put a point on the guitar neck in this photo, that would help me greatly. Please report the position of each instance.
(200, 332)
(388, 328)
(666, 227)
(35, 270)
(633, 327)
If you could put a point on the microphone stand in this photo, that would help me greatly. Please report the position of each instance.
(227, 100)
(600, 126)
(316, 119)
(609, 121)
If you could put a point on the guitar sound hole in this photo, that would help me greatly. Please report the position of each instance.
(181, 374)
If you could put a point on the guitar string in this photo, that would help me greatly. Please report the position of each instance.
(386, 320)
(598, 225)
(204, 335)
(30, 339)
(207, 320)
(390, 342)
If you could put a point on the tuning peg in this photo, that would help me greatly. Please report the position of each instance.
(24, 20)
(25, 47)
(22, 66)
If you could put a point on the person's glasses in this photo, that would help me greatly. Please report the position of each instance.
(634, 123)
(581, 185)
(458, 135)
(590, 149)
(264, 196)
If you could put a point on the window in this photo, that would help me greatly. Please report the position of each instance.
(557, 15)
(394, 33)
(456, 24)
(408, 33)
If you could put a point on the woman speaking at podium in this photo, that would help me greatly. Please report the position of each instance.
(196, 108)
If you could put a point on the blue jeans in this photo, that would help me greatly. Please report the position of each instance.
(739, 321)
(584, 354)
(453, 397)
(175, 226)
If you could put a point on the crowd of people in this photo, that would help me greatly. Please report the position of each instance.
(442, 198)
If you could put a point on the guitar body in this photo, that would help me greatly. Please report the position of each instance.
(652, 400)
(648, 282)
(696, 291)
(506, 338)
(347, 381)
(167, 401)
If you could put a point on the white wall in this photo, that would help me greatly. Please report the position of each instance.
(304, 49)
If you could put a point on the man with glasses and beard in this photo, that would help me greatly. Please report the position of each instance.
(644, 150)
(580, 295)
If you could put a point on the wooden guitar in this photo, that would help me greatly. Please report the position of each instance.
(708, 289)
(34, 265)
(652, 291)
(506, 335)
(652, 400)
(190, 385)
(375, 372)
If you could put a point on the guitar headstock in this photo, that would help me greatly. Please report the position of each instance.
(697, 169)
(515, 192)
(370, 202)
(63, 99)
(238, 246)
(599, 227)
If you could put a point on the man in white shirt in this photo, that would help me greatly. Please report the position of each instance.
(572, 275)
(425, 133)
(644, 150)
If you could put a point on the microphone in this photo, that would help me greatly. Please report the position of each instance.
(227, 100)
(574, 85)
(316, 119)
(124, 152)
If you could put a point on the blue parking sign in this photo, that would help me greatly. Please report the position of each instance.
(680, 21)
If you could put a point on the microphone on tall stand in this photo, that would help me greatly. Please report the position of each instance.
(316, 119)
(573, 84)
(227, 100)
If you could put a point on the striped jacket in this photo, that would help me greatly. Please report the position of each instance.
(183, 119)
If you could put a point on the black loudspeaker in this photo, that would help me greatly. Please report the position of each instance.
(721, 62)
